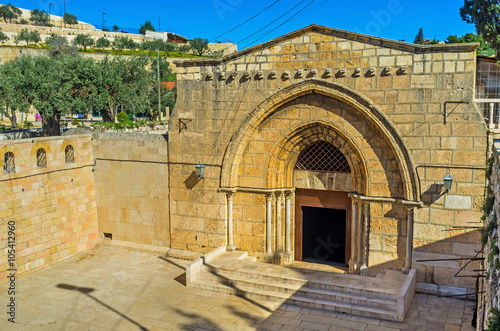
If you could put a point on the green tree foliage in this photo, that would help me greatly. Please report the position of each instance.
(102, 43)
(152, 45)
(9, 12)
(70, 19)
(419, 38)
(27, 36)
(121, 43)
(84, 40)
(170, 47)
(494, 320)
(15, 92)
(484, 15)
(58, 85)
(184, 49)
(116, 28)
(165, 72)
(484, 47)
(3, 37)
(168, 97)
(146, 26)
(39, 17)
(125, 82)
(199, 45)
(60, 45)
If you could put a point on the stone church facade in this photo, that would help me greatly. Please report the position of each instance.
(385, 120)
(320, 146)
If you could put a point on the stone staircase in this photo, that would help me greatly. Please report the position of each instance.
(386, 296)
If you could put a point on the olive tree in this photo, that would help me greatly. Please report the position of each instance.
(70, 19)
(199, 45)
(27, 36)
(39, 17)
(102, 43)
(84, 40)
(9, 12)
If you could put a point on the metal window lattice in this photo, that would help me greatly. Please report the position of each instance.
(69, 154)
(41, 158)
(9, 166)
(322, 156)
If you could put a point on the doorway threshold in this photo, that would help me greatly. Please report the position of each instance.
(330, 267)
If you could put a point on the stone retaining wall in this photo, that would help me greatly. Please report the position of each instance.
(53, 208)
(132, 191)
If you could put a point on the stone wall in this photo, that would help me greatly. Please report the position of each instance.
(54, 19)
(226, 48)
(11, 30)
(401, 112)
(54, 208)
(132, 191)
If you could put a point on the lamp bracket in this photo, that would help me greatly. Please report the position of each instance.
(183, 122)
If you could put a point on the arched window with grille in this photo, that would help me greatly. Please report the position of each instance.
(69, 154)
(41, 158)
(9, 166)
(322, 156)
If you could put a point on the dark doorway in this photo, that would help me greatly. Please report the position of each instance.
(324, 235)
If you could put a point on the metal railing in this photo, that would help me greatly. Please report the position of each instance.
(491, 112)
(122, 30)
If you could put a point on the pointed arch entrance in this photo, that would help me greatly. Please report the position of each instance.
(263, 153)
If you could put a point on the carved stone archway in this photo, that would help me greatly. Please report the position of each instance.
(361, 104)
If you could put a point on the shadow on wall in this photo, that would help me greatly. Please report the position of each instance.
(192, 181)
(447, 257)
(433, 193)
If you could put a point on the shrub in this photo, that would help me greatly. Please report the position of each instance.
(75, 122)
(487, 231)
(122, 116)
(494, 320)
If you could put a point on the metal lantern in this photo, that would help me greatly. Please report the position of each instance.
(448, 181)
(200, 170)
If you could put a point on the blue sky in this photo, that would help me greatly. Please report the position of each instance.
(393, 19)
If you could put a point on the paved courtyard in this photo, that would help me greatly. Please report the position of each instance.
(115, 289)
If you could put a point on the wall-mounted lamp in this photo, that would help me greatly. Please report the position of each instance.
(200, 170)
(448, 180)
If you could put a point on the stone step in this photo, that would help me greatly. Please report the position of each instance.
(345, 283)
(304, 291)
(296, 299)
(182, 255)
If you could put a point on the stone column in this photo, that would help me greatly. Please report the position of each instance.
(492, 115)
(360, 237)
(409, 240)
(354, 221)
(366, 241)
(288, 238)
(269, 215)
(279, 236)
(230, 234)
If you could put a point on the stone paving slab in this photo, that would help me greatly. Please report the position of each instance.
(116, 289)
